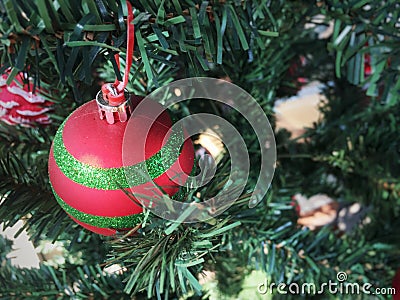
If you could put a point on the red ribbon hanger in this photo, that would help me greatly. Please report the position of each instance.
(114, 92)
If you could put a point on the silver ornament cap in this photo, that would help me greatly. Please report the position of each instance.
(113, 106)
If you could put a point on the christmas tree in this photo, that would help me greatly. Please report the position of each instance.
(57, 56)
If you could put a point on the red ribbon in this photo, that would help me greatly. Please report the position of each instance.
(115, 92)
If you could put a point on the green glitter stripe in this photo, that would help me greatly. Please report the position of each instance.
(116, 178)
(99, 221)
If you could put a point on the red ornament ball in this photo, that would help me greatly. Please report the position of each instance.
(87, 171)
(19, 105)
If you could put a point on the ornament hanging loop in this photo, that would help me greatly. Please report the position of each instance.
(113, 97)
(113, 113)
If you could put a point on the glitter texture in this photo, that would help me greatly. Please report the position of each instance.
(100, 221)
(117, 178)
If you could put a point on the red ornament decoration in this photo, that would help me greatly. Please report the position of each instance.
(87, 173)
(295, 70)
(19, 106)
(90, 175)
(367, 65)
(293, 77)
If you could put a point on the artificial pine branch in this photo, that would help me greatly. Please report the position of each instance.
(167, 28)
(163, 257)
